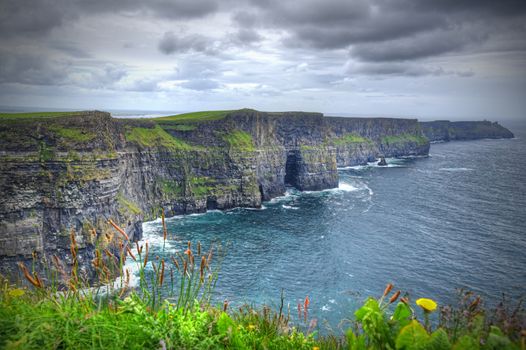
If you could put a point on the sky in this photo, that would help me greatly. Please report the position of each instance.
(455, 59)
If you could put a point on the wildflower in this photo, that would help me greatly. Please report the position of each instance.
(251, 327)
(428, 305)
(15, 293)
(315, 348)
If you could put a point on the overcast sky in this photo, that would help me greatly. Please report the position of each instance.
(457, 59)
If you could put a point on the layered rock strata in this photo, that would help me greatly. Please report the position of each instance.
(72, 173)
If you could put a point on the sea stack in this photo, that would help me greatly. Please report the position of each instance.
(382, 162)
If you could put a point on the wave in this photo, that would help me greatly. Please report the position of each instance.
(347, 187)
(289, 207)
(456, 169)
(391, 163)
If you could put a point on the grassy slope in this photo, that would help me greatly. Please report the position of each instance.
(195, 116)
(42, 115)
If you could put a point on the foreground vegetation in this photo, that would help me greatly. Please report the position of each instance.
(67, 315)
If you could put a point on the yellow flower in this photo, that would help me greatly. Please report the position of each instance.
(15, 293)
(316, 348)
(251, 327)
(428, 305)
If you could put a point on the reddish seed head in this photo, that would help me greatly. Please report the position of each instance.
(146, 255)
(120, 230)
(387, 289)
(130, 253)
(394, 297)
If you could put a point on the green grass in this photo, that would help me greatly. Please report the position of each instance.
(127, 205)
(42, 115)
(196, 116)
(403, 138)
(155, 137)
(72, 134)
(179, 127)
(239, 140)
(350, 139)
(171, 188)
(184, 316)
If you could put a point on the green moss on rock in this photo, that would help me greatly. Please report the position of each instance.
(72, 134)
(240, 140)
(350, 139)
(155, 137)
(127, 206)
(404, 138)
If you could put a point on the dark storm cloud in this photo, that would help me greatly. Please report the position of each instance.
(29, 18)
(38, 18)
(415, 47)
(492, 7)
(175, 9)
(384, 29)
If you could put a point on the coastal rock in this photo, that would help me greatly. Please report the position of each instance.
(70, 174)
(382, 162)
(444, 130)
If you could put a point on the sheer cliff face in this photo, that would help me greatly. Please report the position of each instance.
(73, 173)
(444, 130)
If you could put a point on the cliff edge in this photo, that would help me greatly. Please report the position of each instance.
(70, 173)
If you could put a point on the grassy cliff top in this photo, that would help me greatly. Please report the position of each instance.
(196, 116)
(39, 115)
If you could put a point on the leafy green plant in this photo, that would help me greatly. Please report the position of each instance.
(65, 310)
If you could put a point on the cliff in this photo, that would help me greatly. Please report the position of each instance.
(71, 173)
(444, 130)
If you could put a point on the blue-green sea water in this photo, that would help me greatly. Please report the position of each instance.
(455, 219)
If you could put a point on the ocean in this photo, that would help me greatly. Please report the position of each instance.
(430, 225)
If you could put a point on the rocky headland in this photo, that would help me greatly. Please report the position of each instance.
(71, 173)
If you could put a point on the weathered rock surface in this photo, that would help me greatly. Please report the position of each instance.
(382, 162)
(76, 172)
(444, 130)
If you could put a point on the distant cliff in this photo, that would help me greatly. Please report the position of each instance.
(67, 173)
(444, 130)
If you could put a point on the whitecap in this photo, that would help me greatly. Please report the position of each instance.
(347, 187)
(289, 207)
(325, 308)
(256, 209)
(455, 169)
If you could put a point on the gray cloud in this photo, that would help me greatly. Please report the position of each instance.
(33, 69)
(415, 47)
(285, 49)
(29, 18)
(402, 69)
(248, 36)
(200, 84)
(173, 43)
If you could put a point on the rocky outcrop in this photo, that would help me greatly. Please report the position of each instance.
(444, 130)
(72, 173)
